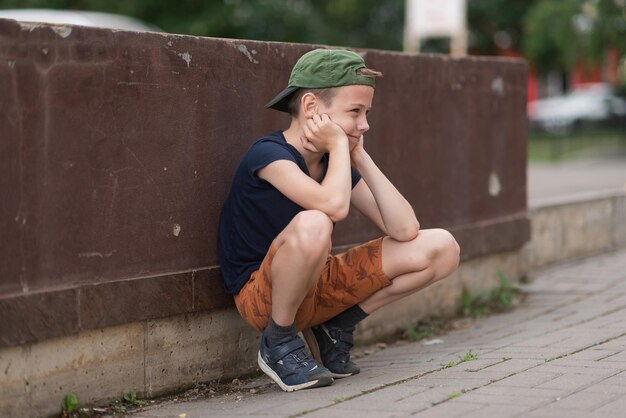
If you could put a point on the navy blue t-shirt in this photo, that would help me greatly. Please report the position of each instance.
(255, 212)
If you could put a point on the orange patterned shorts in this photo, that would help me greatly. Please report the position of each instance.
(347, 279)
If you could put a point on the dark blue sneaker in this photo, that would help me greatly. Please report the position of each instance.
(334, 347)
(290, 365)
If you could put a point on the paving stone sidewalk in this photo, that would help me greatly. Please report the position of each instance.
(562, 353)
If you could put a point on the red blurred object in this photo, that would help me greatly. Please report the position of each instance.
(532, 93)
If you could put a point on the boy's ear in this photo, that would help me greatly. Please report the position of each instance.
(308, 105)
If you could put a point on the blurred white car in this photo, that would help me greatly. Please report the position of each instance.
(79, 17)
(587, 104)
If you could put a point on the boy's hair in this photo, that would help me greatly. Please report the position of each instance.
(326, 95)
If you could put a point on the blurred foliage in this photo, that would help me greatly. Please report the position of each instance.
(496, 24)
(354, 23)
(558, 34)
(609, 27)
(552, 34)
(552, 41)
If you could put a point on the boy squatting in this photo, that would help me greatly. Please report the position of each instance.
(275, 227)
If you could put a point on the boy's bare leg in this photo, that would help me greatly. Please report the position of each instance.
(414, 265)
(303, 247)
(300, 253)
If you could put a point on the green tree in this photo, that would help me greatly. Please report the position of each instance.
(354, 23)
(608, 26)
(561, 33)
(552, 40)
(494, 24)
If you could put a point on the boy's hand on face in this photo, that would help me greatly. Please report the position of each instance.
(357, 153)
(322, 134)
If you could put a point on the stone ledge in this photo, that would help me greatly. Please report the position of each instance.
(37, 316)
(576, 226)
(581, 197)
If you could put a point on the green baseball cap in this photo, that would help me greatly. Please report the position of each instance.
(322, 68)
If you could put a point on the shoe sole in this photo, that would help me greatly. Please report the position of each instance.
(342, 375)
(290, 388)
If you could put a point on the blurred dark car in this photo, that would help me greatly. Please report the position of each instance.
(591, 104)
(79, 17)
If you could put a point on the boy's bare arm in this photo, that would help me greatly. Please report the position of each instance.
(332, 195)
(378, 199)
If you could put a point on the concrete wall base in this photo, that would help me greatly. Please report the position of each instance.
(580, 226)
(159, 356)
(153, 357)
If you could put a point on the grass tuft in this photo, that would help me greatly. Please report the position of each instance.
(496, 299)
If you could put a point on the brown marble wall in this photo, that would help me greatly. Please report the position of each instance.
(117, 150)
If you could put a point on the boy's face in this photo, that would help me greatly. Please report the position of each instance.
(348, 109)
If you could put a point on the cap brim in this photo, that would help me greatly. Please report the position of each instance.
(281, 100)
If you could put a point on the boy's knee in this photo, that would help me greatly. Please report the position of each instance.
(444, 251)
(311, 231)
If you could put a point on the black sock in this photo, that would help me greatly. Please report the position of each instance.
(275, 332)
(349, 318)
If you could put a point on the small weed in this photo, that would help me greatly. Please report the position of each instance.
(416, 332)
(118, 406)
(69, 403)
(471, 305)
(454, 395)
(502, 296)
(131, 398)
(449, 364)
(339, 399)
(496, 299)
(469, 356)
